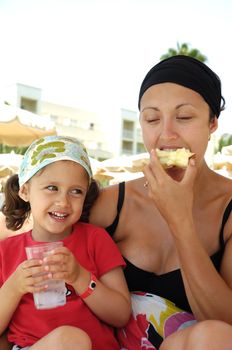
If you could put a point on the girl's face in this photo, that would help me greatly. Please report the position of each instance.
(173, 116)
(56, 195)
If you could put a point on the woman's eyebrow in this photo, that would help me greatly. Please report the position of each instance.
(184, 104)
(177, 107)
(154, 108)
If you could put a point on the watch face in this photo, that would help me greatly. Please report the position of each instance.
(92, 285)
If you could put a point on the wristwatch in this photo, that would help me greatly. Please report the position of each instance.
(91, 287)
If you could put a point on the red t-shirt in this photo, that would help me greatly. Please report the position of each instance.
(95, 251)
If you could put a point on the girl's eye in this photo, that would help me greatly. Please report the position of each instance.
(76, 191)
(52, 188)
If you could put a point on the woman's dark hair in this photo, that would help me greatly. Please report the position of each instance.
(189, 72)
(15, 209)
(90, 198)
(222, 108)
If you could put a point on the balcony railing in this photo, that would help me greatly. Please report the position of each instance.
(128, 134)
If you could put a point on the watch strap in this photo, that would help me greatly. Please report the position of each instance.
(91, 287)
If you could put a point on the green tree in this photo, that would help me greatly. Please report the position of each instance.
(184, 49)
(17, 149)
(225, 140)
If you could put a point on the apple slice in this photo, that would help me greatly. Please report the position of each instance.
(174, 157)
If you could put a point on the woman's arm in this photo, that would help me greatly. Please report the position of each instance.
(209, 293)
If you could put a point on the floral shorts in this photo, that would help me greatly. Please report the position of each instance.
(16, 347)
(153, 319)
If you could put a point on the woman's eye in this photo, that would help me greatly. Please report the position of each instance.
(152, 120)
(184, 117)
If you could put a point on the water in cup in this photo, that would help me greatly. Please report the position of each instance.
(55, 294)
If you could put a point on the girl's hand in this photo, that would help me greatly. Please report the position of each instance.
(30, 277)
(174, 199)
(62, 265)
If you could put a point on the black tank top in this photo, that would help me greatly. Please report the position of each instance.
(168, 285)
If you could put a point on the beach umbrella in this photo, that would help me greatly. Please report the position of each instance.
(125, 163)
(19, 127)
(9, 163)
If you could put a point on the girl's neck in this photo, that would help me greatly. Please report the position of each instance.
(39, 236)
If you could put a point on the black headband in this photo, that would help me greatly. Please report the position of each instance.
(189, 72)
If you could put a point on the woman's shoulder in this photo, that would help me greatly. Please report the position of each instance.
(104, 209)
(222, 194)
(223, 184)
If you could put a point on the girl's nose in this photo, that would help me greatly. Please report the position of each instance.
(62, 199)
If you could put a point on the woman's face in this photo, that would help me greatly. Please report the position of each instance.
(172, 116)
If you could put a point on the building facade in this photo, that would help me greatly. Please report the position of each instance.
(105, 136)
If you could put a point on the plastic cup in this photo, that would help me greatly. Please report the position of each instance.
(55, 294)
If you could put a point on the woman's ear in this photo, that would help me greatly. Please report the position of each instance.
(213, 125)
(24, 193)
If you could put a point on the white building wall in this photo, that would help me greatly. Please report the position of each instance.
(82, 124)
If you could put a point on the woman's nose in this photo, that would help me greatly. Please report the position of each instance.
(168, 130)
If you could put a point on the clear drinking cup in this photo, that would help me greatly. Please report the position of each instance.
(55, 294)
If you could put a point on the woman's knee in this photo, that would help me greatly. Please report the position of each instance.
(199, 336)
(210, 334)
(213, 334)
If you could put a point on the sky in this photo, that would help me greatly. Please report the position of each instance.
(93, 54)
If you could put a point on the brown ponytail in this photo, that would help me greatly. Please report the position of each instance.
(15, 209)
(90, 198)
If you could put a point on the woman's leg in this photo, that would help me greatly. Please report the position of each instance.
(64, 338)
(204, 335)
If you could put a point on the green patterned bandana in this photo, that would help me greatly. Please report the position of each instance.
(51, 149)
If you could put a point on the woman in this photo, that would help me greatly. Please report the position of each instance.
(174, 232)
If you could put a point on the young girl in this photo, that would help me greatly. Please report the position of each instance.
(55, 184)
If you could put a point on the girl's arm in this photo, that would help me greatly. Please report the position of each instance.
(21, 281)
(9, 300)
(4, 344)
(110, 300)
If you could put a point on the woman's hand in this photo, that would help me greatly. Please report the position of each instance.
(174, 199)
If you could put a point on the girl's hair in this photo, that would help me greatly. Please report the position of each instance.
(16, 210)
(90, 198)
